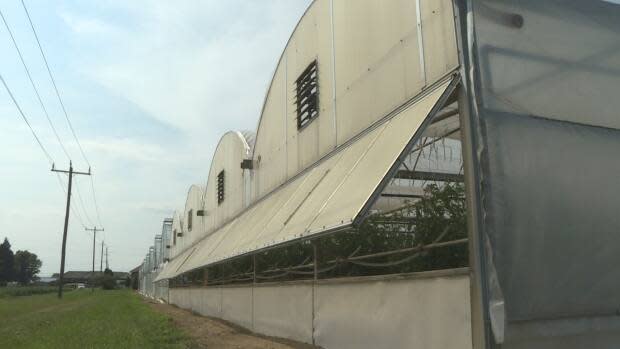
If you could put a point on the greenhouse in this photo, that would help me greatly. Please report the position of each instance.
(424, 174)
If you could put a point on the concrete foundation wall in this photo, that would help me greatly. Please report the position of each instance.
(425, 310)
(211, 302)
(429, 313)
(237, 305)
(284, 311)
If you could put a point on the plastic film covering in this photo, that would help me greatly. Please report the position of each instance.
(173, 266)
(548, 122)
(328, 196)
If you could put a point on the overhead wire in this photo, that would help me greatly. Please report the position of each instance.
(76, 213)
(21, 112)
(92, 186)
(81, 202)
(45, 112)
(49, 71)
(36, 137)
(34, 87)
(64, 190)
(34, 134)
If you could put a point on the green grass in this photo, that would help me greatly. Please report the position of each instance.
(105, 319)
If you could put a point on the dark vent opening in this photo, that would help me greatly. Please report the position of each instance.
(220, 187)
(190, 219)
(307, 95)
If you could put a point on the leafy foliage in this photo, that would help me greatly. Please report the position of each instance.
(6, 262)
(23, 266)
(438, 217)
(27, 266)
(107, 280)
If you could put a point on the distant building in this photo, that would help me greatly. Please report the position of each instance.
(47, 279)
(86, 276)
(135, 277)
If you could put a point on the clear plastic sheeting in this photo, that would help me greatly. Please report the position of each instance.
(328, 196)
(548, 118)
(556, 59)
(552, 217)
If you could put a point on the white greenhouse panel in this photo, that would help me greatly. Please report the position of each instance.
(332, 194)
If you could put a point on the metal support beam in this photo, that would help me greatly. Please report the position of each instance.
(411, 196)
(429, 176)
(254, 268)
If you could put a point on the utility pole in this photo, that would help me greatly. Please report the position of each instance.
(101, 259)
(92, 275)
(64, 234)
(107, 266)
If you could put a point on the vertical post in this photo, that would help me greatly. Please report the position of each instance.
(92, 274)
(254, 268)
(316, 261)
(315, 264)
(107, 265)
(101, 259)
(64, 234)
(253, 286)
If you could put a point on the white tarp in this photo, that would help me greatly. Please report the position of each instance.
(330, 195)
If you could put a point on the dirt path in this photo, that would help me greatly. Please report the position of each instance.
(216, 334)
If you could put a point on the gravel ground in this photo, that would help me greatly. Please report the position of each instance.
(217, 334)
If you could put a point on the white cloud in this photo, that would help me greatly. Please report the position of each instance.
(199, 67)
(127, 149)
(87, 26)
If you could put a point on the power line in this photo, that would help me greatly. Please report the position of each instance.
(49, 158)
(70, 173)
(80, 201)
(34, 87)
(43, 107)
(49, 71)
(77, 190)
(92, 186)
(94, 230)
(75, 213)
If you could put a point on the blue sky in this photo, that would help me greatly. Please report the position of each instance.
(149, 87)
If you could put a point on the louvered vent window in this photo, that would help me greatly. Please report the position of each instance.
(307, 89)
(220, 187)
(190, 219)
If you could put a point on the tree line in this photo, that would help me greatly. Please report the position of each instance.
(21, 266)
